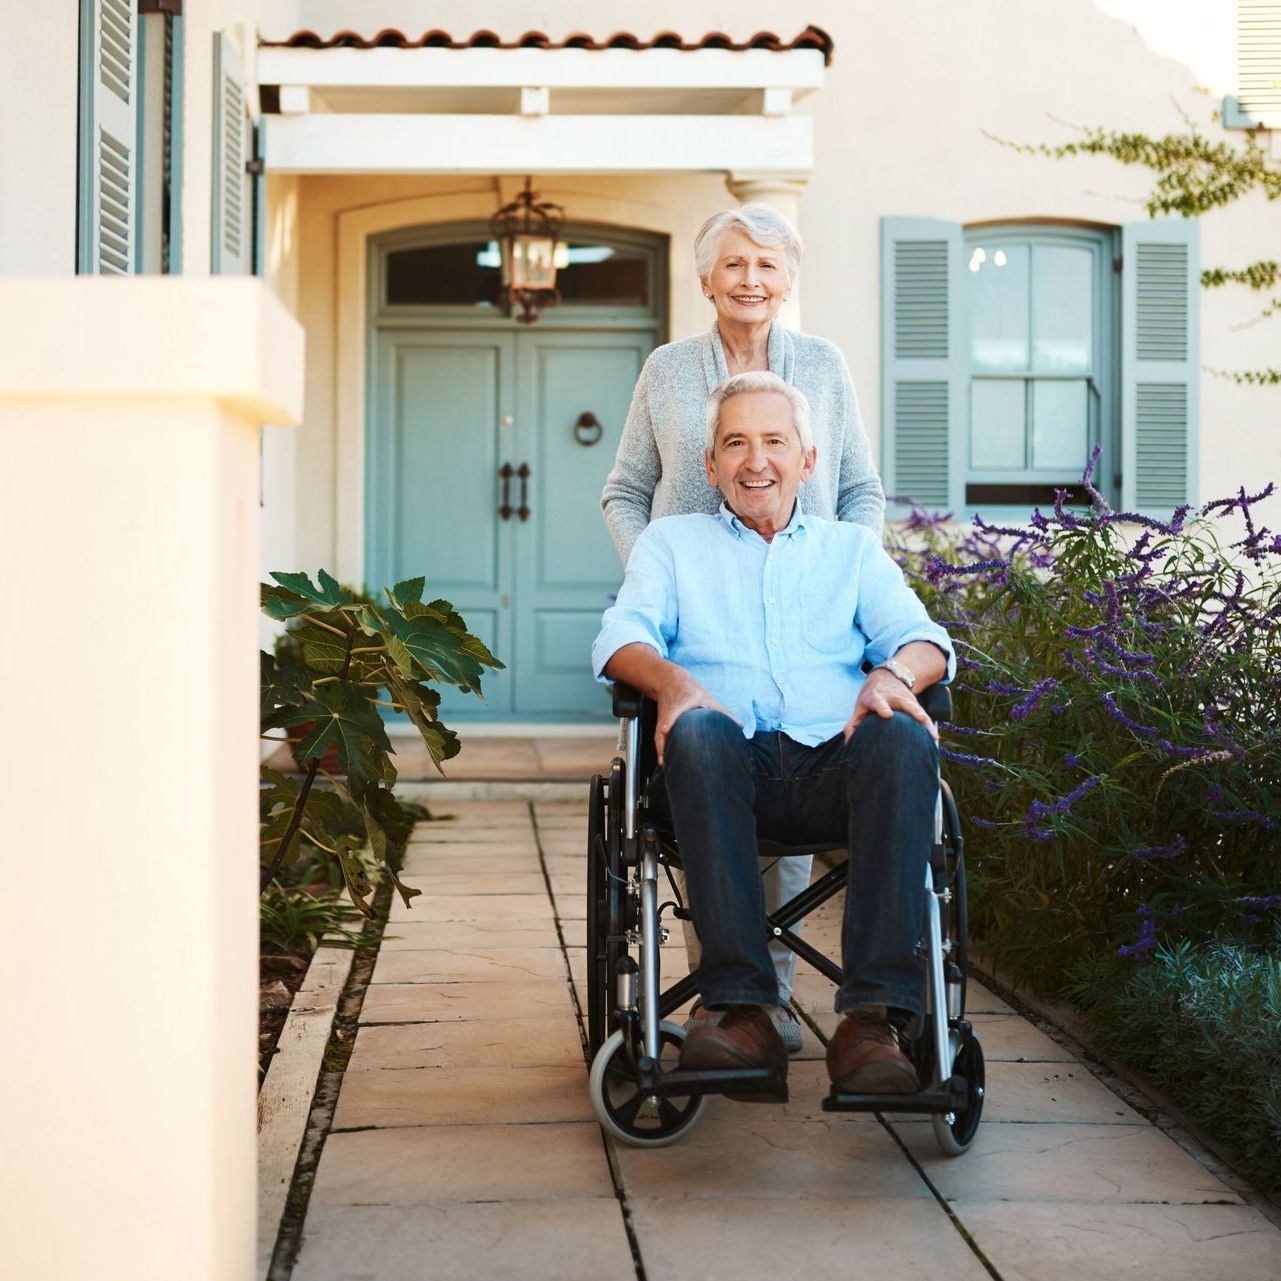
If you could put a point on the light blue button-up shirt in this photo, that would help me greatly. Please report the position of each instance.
(777, 631)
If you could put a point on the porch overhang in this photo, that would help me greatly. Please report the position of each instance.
(570, 110)
(405, 143)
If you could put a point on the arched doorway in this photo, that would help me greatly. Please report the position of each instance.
(475, 474)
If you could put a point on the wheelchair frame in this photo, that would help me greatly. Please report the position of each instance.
(643, 1101)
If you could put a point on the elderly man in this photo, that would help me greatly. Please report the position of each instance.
(750, 629)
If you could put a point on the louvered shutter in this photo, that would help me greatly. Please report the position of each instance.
(1160, 387)
(232, 197)
(108, 133)
(924, 403)
(1258, 53)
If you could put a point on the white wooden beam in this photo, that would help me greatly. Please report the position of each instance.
(535, 100)
(798, 69)
(546, 144)
(295, 100)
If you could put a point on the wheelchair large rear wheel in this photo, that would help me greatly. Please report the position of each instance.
(605, 897)
(624, 1110)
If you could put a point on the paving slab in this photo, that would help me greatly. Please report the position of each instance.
(755, 1158)
(508, 964)
(471, 907)
(498, 1241)
(436, 882)
(434, 1002)
(1056, 1242)
(460, 1095)
(762, 1239)
(422, 1164)
(1052, 1092)
(411, 935)
(1010, 1038)
(550, 1041)
(1073, 1163)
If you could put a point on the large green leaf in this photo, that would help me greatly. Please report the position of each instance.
(438, 651)
(329, 595)
(410, 589)
(281, 603)
(321, 648)
(344, 716)
(279, 685)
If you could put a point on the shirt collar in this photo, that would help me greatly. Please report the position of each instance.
(738, 529)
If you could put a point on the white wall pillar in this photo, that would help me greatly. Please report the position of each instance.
(129, 417)
(784, 194)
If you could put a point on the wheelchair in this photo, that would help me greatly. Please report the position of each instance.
(638, 1091)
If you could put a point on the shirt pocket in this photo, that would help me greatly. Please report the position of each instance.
(828, 621)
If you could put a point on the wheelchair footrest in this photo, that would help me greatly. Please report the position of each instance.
(758, 1083)
(952, 1096)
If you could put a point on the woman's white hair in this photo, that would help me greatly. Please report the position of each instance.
(762, 224)
(759, 380)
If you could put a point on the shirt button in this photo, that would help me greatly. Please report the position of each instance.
(769, 600)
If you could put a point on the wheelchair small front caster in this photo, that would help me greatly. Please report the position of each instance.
(954, 1131)
(623, 1108)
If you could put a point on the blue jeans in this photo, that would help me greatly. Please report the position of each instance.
(875, 793)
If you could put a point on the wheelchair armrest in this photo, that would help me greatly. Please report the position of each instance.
(627, 700)
(937, 702)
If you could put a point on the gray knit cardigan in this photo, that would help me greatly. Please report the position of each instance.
(659, 468)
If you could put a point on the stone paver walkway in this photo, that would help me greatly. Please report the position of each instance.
(464, 1146)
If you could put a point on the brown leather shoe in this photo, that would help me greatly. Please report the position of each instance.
(864, 1058)
(744, 1038)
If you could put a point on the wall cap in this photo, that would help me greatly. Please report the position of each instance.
(228, 339)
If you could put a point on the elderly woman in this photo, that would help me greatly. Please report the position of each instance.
(747, 261)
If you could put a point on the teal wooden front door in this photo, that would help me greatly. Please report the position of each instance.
(485, 459)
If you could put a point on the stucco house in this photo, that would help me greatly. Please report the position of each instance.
(1001, 312)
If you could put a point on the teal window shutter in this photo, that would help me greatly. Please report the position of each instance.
(923, 370)
(107, 215)
(232, 246)
(1160, 384)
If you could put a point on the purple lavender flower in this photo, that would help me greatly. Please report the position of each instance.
(1175, 848)
(1039, 811)
(1021, 711)
(1146, 941)
(965, 758)
(1109, 704)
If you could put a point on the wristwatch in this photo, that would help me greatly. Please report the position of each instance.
(905, 674)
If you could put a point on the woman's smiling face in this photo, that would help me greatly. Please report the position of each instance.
(748, 282)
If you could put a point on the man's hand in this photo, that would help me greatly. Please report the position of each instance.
(882, 695)
(679, 693)
(671, 687)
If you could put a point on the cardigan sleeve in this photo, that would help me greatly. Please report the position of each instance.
(628, 495)
(860, 498)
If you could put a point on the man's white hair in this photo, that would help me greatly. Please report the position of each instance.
(762, 224)
(759, 380)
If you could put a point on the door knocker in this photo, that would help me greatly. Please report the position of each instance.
(587, 430)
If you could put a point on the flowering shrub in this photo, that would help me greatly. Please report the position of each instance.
(1116, 751)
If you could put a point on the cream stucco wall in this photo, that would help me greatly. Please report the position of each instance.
(38, 79)
(901, 127)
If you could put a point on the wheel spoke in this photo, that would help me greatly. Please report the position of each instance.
(627, 1113)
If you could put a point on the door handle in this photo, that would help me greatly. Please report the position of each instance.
(506, 471)
(524, 473)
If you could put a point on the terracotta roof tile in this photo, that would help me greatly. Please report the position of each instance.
(389, 38)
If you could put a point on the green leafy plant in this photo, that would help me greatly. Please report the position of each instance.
(1201, 1022)
(292, 921)
(343, 658)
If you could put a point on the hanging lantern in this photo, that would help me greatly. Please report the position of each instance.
(527, 232)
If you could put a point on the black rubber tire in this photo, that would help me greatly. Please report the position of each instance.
(960, 923)
(955, 1136)
(597, 917)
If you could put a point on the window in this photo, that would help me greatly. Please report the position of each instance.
(467, 273)
(1041, 350)
(1009, 351)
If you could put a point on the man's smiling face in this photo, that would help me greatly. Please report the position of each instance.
(758, 463)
